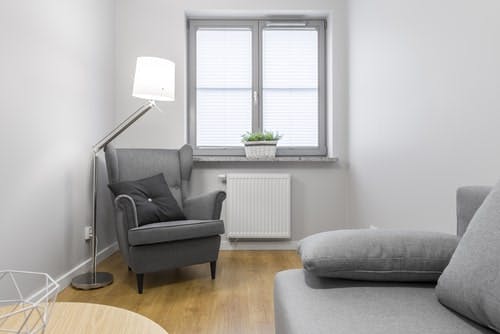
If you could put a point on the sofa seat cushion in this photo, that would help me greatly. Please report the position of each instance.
(305, 303)
(173, 231)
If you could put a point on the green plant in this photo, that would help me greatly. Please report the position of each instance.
(261, 136)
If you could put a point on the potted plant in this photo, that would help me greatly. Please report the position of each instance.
(260, 145)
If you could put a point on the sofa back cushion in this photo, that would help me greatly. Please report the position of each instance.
(470, 284)
(378, 255)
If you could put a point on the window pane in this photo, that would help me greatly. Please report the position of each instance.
(223, 86)
(290, 85)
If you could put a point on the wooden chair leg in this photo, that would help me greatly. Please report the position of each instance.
(140, 282)
(213, 267)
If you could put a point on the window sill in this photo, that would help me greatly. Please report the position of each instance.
(213, 158)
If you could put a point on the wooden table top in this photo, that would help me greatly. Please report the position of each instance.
(86, 318)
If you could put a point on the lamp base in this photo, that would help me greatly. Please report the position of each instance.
(85, 281)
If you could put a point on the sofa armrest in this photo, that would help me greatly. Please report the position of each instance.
(207, 206)
(469, 199)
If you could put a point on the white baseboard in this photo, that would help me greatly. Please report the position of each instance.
(258, 245)
(65, 279)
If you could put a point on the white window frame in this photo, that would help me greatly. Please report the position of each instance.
(257, 26)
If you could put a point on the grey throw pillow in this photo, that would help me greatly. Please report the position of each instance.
(378, 255)
(470, 285)
(153, 199)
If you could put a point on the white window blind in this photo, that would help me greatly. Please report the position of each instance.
(290, 85)
(223, 86)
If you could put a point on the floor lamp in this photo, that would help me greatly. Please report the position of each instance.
(154, 81)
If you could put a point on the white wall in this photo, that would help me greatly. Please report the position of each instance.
(158, 28)
(424, 108)
(56, 100)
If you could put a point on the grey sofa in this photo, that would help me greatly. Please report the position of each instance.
(309, 304)
(164, 245)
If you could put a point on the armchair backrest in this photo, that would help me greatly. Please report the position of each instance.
(133, 164)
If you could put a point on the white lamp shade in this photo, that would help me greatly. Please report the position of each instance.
(154, 79)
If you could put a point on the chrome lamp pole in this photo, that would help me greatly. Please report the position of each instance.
(154, 80)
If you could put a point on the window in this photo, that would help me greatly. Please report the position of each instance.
(256, 75)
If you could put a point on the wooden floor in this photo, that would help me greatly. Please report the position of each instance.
(186, 300)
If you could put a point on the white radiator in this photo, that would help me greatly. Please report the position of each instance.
(258, 206)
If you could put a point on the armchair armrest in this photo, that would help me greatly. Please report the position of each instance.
(125, 219)
(127, 212)
(207, 206)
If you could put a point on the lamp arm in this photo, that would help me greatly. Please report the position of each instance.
(124, 125)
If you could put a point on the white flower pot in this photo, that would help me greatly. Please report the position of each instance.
(255, 150)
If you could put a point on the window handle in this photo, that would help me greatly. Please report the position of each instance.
(255, 97)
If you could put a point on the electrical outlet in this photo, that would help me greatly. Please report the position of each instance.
(88, 232)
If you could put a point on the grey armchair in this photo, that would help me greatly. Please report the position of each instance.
(165, 245)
